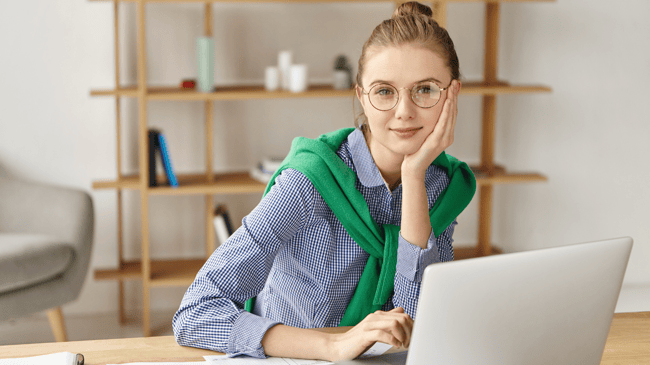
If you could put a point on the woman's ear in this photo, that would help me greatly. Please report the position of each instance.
(359, 92)
(359, 95)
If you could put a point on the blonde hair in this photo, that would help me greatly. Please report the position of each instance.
(411, 23)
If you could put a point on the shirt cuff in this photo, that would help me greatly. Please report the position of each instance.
(412, 260)
(247, 333)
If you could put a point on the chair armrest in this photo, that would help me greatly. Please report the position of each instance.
(65, 214)
(30, 207)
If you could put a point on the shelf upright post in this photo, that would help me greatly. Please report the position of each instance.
(439, 8)
(118, 149)
(440, 12)
(144, 165)
(488, 125)
(209, 115)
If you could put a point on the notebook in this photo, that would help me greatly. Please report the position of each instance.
(547, 306)
(59, 358)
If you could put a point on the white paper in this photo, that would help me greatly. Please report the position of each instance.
(59, 358)
(166, 363)
(377, 349)
(247, 360)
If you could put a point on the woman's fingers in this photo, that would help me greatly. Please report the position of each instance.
(448, 115)
(407, 325)
(385, 337)
(453, 112)
(395, 324)
(393, 327)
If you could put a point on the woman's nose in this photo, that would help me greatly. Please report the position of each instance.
(405, 108)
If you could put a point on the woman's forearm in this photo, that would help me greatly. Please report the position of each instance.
(297, 343)
(416, 226)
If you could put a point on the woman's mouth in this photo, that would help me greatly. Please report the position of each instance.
(405, 132)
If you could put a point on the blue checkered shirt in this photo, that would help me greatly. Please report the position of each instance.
(296, 257)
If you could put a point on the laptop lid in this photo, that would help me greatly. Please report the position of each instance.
(548, 306)
(540, 307)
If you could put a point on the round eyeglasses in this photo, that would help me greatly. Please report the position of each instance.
(385, 97)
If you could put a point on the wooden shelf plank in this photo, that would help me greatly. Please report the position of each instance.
(127, 182)
(314, 91)
(241, 183)
(501, 88)
(164, 273)
(192, 184)
(236, 92)
(509, 178)
(497, 174)
(463, 253)
(244, 93)
(231, 183)
(129, 92)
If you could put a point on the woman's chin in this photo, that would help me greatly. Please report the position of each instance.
(406, 150)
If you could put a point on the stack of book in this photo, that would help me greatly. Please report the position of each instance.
(264, 170)
(222, 224)
(158, 148)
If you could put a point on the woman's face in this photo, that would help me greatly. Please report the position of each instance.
(401, 130)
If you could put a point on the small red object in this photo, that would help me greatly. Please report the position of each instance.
(188, 84)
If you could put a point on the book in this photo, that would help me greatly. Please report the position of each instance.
(257, 174)
(167, 162)
(153, 150)
(270, 165)
(264, 170)
(222, 224)
(59, 358)
(158, 152)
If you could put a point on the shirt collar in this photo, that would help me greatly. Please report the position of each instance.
(367, 170)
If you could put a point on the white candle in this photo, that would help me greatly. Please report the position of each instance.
(298, 78)
(284, 64)
(271, 78)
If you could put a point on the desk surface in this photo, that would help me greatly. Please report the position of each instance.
(628, 343)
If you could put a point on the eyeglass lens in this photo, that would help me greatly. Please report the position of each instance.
(385, 97)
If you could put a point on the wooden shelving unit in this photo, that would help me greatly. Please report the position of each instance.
(166, 273)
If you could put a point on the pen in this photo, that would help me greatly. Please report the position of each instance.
(80, 359)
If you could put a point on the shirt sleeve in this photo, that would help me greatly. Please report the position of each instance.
(211, 314)
(411, 262)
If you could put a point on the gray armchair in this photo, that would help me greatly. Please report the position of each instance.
(46, 235)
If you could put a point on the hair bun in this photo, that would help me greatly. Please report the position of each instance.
(412, 8)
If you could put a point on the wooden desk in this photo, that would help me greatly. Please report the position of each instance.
(629, 340)
(628, 343)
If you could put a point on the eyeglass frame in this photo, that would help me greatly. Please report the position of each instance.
(410, 94)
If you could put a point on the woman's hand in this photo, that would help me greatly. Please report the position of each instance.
(440, 138)
(393, 327)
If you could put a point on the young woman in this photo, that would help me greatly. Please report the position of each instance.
(351, 219)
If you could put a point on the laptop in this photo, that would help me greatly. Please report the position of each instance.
(540, 307)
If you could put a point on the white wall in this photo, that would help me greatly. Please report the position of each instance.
(588, 136)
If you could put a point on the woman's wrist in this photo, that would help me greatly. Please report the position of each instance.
(413, 177)
(301, 343)
(332, 352)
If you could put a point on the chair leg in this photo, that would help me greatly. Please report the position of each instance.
(55, 315)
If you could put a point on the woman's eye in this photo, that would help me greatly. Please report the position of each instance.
(384, 91)
(424, 90)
